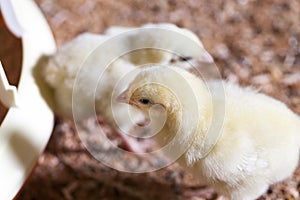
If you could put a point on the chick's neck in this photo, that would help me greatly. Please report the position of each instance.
(172, 124)
(187, 120)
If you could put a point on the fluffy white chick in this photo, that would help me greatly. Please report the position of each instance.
(258, 141)
(61, 69)
(60, 72)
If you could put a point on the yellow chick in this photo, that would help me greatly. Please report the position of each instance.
(233, 139)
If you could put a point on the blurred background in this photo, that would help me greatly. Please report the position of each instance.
(253, 42)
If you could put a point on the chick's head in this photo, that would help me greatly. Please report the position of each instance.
(151, 96)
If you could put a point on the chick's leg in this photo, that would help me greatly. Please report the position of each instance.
(136, 144)
(131, 143)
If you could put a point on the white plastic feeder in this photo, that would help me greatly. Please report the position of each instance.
(28, 123)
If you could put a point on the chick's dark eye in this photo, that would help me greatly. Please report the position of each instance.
(144, 101)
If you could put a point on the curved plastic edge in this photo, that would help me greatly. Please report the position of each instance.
(26, 129)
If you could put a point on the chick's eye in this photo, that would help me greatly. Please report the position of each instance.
(144, 101)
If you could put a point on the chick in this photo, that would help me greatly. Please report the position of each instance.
(60, 72)
(61, 69)
(258, 137)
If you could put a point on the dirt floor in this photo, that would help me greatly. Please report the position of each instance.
(253, 43)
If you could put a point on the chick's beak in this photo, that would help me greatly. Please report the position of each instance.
(123, 97)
